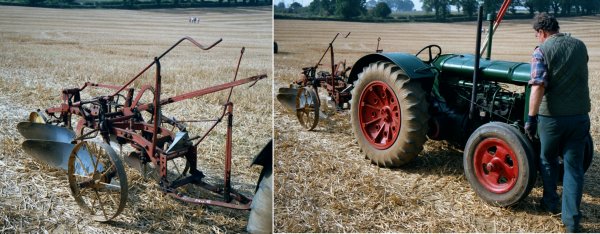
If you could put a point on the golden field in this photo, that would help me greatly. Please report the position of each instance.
(46, 50)
(324, 183)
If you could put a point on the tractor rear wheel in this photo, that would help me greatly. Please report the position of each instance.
(388, 114)
(499, 163)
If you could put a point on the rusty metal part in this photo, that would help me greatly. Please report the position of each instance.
(334, 82)
(37, 117)
(157, 141)
(197, 44)
(307, 107)
(377, 50)
(46, 132)
(97, 180)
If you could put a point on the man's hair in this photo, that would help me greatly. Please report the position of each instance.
(546, 22)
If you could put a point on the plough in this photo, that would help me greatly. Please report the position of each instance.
(95, 171)
(303, 94)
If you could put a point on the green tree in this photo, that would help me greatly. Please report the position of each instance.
(513, 6)
(565, 7)
(491, 6)
(295, 7)
(469, 7)
(382, 10)
(349, 8)
(400, 5)
(456, 3)
(280, 6)
(371, 4)
(321, 7)
(128, 3)
(529, 5)
(589, 7)
(537, 5)
(555, 5)
(440, 7)
(35, 2)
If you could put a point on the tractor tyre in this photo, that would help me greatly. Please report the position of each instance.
(499, 163)
(388, 115)
(261, 210)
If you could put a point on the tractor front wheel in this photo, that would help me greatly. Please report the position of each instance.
(499, 164)
(388, 114)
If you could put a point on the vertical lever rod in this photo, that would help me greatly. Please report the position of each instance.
(476, 66)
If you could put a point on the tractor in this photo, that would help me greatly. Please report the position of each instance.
(398, 101)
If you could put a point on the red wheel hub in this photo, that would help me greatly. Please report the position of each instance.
(496, 165)
(379, 115)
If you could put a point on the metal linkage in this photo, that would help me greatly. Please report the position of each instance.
(117, 117)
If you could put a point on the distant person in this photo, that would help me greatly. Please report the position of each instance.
(558, 107)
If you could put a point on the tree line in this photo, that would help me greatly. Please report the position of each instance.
(441, 9)
(136, 4)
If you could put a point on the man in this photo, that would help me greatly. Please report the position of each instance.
(558, 106)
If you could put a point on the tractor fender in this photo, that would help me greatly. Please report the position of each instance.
(412, 65)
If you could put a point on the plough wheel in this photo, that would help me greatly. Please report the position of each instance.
(97, 180)
(499, 164)
(389, 115)
(307, 108)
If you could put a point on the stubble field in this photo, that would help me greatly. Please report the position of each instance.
(323, 182)
(45, 50)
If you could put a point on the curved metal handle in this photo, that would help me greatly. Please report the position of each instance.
(196, 43)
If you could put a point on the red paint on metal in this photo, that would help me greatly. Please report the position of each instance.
(496, 165)
(379, 115)
(123, 122)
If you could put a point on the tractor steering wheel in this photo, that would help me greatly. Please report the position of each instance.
(429, 48)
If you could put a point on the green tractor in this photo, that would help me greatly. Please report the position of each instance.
(400, 100)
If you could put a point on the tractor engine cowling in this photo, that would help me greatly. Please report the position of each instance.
(500, 96)
(461, 65)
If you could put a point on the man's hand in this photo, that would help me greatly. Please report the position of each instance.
(531, 126)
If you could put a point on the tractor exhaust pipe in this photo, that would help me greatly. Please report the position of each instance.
(477, 58)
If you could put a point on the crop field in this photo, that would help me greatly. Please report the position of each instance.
(46, 50)
(324, 183)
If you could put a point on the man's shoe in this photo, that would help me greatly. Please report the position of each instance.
(575, 229)
(545, 208)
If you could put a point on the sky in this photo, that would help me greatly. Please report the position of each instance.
(417, 3)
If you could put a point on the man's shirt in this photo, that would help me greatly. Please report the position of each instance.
(539, 69)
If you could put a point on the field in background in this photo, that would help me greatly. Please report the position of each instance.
(323, 182)
(45, 50)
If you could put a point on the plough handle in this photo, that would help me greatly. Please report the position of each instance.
(197, 44)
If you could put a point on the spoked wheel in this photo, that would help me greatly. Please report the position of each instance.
(97, 180)
(389, 115)
(499, 164)
(307, 107)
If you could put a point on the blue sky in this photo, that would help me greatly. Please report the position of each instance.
(417, 3)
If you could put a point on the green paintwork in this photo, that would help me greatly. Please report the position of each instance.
(461, 65)
(410, 64)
